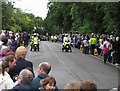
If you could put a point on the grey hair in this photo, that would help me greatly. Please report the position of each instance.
(26, 76)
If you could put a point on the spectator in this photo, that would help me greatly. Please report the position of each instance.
(22, 63)
(86, 46)
(1, 55)
(105, 53)
(26, 77)
(72, 86)
(117, 51)
(10, 53)
(43, 71)
(48, 84)
(88, 85)
(108, 45)
(92, 42)
(5, 80)
(11, 60)
(2, 34)
(25, 39)
(4, 48)
(9, 41)
(13, 45)
(100, 45)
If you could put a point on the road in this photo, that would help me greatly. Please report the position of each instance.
(75, 66)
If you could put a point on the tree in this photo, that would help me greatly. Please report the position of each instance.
(84, 17)
(7, 15)
(16, 20)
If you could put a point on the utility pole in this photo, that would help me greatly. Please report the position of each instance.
(1, 14)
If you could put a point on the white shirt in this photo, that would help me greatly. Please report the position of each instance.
(6, 82)
(85, 42)
(107, 44)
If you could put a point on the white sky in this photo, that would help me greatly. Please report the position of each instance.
(37, 7)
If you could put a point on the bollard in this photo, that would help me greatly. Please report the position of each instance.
(81, 47)
(95, 52)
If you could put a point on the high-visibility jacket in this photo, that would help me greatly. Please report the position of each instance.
(34, 39)
(100, 41)
(93, 41)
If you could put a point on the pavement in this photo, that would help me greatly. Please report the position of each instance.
(101, 59)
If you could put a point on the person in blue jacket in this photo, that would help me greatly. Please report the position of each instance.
(43, 71)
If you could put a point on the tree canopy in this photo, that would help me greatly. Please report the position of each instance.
(84, 17)
(17, 20)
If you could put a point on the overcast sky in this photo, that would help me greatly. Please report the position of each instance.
(37, 7)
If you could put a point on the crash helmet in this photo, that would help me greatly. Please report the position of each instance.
(35, 34)
(66, 35)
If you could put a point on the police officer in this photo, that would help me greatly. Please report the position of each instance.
(66, 40)
(34, 38)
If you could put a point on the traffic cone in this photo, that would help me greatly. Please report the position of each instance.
(95, 52)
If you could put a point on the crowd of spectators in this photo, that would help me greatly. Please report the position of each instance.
(95, 44)
(17, 74)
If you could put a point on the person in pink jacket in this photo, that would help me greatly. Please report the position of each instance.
(105, 53)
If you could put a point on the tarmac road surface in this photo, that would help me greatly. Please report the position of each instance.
(75, 66)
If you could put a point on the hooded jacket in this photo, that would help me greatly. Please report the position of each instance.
(36, 81)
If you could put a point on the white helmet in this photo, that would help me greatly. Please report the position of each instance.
(66, 34)
(117, 38)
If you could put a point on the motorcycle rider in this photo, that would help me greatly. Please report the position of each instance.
(34, 38)
(66, 40)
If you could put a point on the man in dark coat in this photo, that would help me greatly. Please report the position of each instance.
(117, 50)
(22, 63)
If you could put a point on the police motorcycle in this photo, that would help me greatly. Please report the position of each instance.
(35, 42)
(67, 46)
